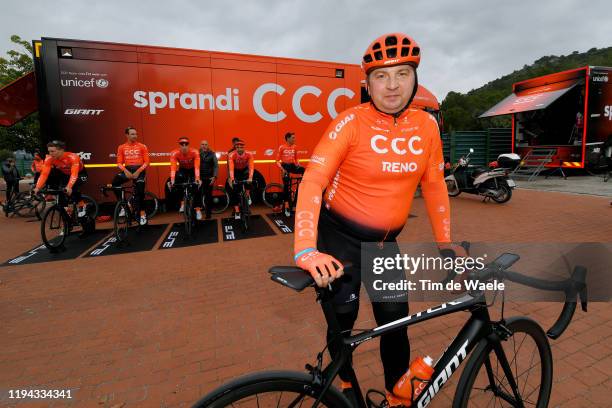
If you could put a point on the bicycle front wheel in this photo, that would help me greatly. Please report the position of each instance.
(484, 382)
(188, 216)
(54, 227)
(280, 389)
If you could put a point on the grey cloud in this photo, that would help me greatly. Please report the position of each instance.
(464, 43)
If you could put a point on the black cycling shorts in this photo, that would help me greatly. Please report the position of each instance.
(334, 239)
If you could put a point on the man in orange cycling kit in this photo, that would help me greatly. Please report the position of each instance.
(187, 161)
(65, 169)
(132, 160)
(287, 161)
(241, 167)
(367, 166)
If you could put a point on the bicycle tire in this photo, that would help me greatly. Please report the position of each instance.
(91, 206)
(52, 214)
(271, 197)
(484, 349)
(151, 204)
(220, 200)
(244, 211)
(188, 217)
(121, 224)
(289, 384)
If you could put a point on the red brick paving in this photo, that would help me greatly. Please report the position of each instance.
(162, 328)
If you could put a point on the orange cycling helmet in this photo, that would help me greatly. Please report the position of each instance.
(389, 50)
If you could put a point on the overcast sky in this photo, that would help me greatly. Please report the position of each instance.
(464, 43)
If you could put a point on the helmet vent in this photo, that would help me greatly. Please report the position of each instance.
(391, 40)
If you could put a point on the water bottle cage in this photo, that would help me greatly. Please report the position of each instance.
(412, 381)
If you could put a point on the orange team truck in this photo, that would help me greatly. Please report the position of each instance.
(89, 91)
(566, 116)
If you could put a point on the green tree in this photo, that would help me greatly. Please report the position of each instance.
(25, 134)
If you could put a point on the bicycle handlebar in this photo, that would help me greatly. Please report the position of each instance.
(573, 287)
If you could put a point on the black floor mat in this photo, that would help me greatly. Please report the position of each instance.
(284, 224)
(232, 229)
(205, 232)
(75, 246)
(143, 239)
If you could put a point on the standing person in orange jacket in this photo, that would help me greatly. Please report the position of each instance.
(358, 188)
(133, 160)
(287, 161)
(37, 165)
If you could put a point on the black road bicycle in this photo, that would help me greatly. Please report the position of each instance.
(25, 204)
(188, 210)
(244, 205)
(510, 363)
(61, 217)
(123, 215)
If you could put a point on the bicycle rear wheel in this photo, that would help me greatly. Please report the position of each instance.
(273, 194)
(91, 206)
(272, 389)
(220, 200)
(121, 223)
(483, 383)
(151, 204)
(39, 203)
(54, 227)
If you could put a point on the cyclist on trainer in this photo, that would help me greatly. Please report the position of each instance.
(132, 160)
(241, 167)
(65, 169)
(287, 161)
(369, 163)
(187, 160)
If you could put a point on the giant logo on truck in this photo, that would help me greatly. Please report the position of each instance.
(155, 101)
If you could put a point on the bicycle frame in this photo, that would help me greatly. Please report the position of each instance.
(478, 327)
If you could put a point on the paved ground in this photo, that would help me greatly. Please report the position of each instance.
(591, 185)
(162, 328)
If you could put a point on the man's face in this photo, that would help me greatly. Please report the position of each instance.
(204, 145)
(11, 162)
(291, 139)
(132, 135)
(240, 148)
(184, 147)
(55, 152)
(391, 87)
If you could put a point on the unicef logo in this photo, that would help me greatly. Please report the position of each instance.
(102, 83)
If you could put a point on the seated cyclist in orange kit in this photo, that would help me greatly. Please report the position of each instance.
(359, 187)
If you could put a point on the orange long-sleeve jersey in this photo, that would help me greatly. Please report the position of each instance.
(241, 161)
(37, 164)
(369, 164)
(189, 160)
(133, 154)
(69, 164)
(286, 154)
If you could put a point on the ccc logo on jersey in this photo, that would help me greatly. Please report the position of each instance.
(399, 145)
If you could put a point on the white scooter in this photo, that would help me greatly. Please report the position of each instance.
(493, 184)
